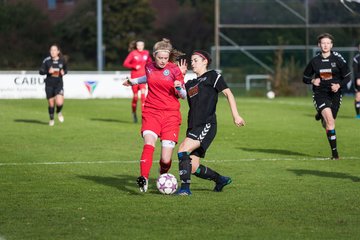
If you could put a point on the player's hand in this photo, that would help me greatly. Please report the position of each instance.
(62, 73)
(177, 84)
(239, 121)
(335, 87)
(51, 70)
(316, 82)
(183, 66)
(127, 82)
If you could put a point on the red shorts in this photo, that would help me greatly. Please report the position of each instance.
(138, 87)
(166, 124)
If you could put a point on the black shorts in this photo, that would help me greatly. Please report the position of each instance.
(52, 91)
(205, 134)
(330, 100)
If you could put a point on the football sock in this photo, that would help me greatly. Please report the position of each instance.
(51, 112)
(207, 173)
(134, 103)
(184, 169)
(164, 167)
(331, 135)
(146, 160)
(59, 108)
(357, 107)
(142, 101)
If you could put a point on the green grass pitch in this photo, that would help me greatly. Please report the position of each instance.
(76, 180)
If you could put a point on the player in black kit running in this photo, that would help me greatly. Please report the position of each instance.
(202, 96)
(356, 70)
(328, 73)
(54, 67)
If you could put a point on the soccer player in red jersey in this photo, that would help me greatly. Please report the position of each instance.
(161, 116)
(136, 61)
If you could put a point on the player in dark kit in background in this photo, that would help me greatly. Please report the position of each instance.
(136, 61)
(202, 96)
(356, 70)
(328, 73)
(54, 67)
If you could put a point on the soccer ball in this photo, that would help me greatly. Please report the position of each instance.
(270, 95)
(166, 183)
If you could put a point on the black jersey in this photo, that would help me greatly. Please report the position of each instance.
(202, 97)
(356, 66)
(57, 65)
(332, 69)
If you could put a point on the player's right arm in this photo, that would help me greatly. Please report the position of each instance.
(308, 75)
(134, 81)
(44, 69)
(128, 62)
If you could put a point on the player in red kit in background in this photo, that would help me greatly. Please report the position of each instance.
(136, 61)
(161, 115)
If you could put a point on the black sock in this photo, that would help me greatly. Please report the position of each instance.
(207, 173)
(331, 135)
(184, 169)
(51, 112)
(59, 108)
(357, 107)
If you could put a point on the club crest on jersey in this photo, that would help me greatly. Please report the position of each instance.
(333, 64)
(166, 72)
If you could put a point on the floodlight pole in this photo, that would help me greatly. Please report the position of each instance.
(217, 41)
(100, 64)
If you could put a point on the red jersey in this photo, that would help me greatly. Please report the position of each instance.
(136, 61)
(161, 91)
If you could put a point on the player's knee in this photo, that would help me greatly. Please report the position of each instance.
(168, 144)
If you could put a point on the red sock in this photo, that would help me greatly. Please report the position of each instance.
(142, 101)
(146, 160)
(134, 103)
(164, 167)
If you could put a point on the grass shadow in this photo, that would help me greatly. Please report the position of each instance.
(124, 183)
(301, 172)
(109, 120)
(339, 116)
(274, 151)
(33, 121)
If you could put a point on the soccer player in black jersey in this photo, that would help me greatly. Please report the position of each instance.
(328, 73)
(356, 70)
(202, 96)
(54, 67)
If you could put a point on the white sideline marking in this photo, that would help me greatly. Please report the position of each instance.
(137, 161)
(282, 102)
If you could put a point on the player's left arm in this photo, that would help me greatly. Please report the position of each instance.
(64, 69)
(179, 80)
(238, 120)
(345, 76)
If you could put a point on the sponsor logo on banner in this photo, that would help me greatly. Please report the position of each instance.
(90, 86)
(29, 80)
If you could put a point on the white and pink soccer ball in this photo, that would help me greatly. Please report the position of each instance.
(167, 183)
